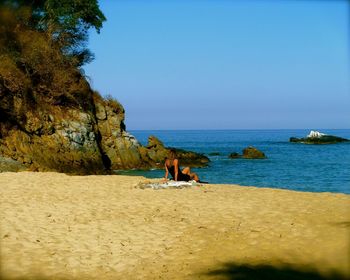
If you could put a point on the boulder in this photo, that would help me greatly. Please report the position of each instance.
(253, 153)
(191, 159)
(248, 153)
(234, 155)
(315, 137)
(155, 154)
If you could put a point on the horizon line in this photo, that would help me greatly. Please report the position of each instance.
(215, 129)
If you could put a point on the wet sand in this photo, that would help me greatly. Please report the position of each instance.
(55, 226)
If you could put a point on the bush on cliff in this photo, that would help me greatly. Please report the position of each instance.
(42, 46)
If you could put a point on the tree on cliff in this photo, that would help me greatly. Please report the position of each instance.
(64, 22)
(42, 47)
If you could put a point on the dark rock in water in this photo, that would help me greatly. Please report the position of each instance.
(234, 155)
(316, 137)
(155, 154)
(192, 159)
(295, 139)
(214, 154)
(253, 153)
(249, 153)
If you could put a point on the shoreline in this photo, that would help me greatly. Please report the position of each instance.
(63, 226)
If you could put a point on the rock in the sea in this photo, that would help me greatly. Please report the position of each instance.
(248, 153)
(253, 153)
(214, 154)
(155, 154)
(316, 137)
(191, 159)
(234, 155)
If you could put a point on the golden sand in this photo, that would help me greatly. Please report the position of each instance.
(55, 226)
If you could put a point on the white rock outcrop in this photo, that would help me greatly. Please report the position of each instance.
(315, 134)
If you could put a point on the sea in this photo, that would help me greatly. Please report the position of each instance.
(293, 166)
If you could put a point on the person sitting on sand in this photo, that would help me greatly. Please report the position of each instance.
(172, 166)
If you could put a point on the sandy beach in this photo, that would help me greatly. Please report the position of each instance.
(55, 226)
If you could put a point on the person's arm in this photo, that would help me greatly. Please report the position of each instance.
(176, 167)
(166, 172)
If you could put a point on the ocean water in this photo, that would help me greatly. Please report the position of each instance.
(315, 168)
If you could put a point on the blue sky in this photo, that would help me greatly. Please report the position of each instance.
(225, 64)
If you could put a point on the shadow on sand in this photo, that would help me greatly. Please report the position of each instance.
(232, 271)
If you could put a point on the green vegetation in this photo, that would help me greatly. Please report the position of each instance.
(42, 47)
(65, 23)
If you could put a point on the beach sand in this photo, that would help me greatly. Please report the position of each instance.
(55, 226)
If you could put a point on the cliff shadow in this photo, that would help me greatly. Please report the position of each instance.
(233, 271)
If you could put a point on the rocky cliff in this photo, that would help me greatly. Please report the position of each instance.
(90, 139)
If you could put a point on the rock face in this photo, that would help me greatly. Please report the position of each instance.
(10, 165)
(249, 153)
(119, 148)
(76, 140)
(316, 137)
(49, 141)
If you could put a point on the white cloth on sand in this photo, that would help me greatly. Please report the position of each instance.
(169, 184)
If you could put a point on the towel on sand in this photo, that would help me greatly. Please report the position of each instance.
(169, 184)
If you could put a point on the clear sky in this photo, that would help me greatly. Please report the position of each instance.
(247, 64)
